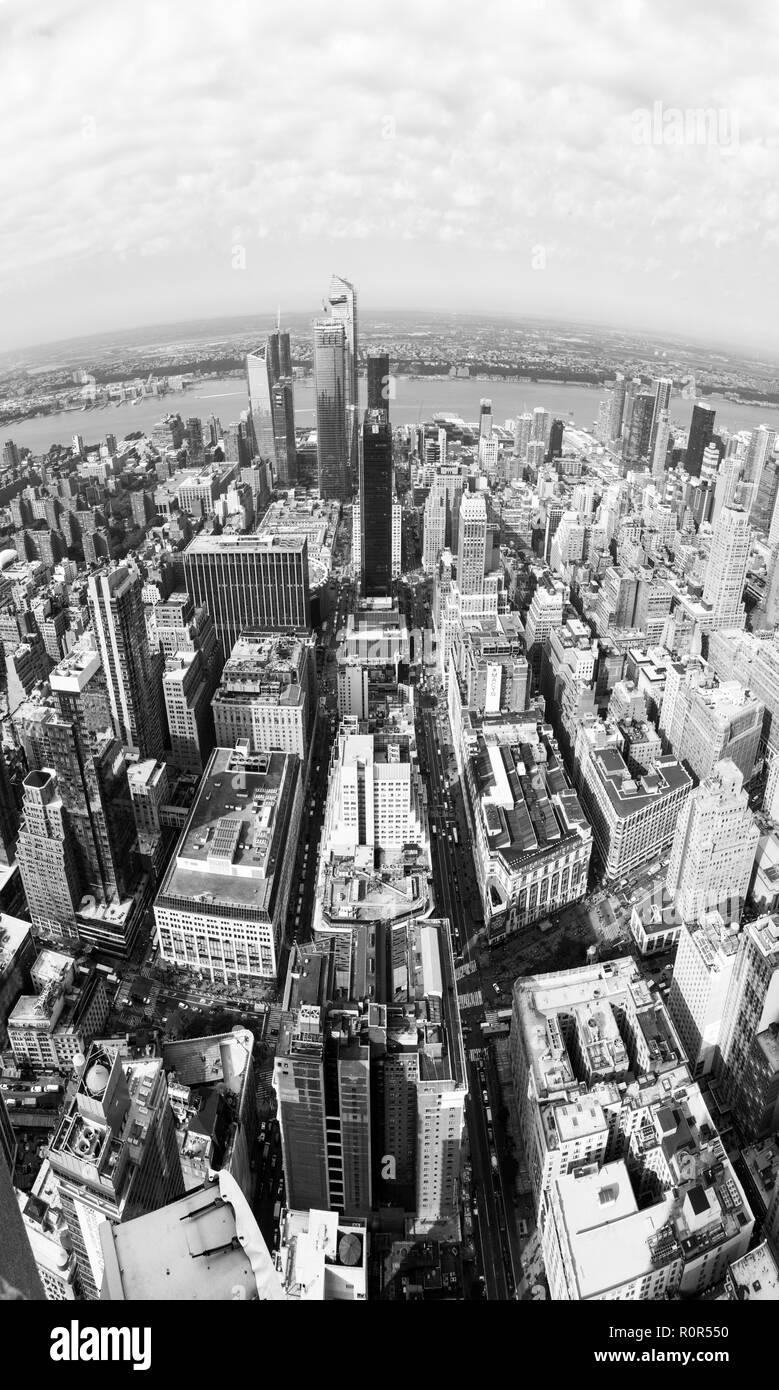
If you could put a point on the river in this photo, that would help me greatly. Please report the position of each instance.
(416, 398)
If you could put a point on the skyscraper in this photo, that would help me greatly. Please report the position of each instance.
(249, 581)
(134, 676)
(662, 386)
(378, 381)
(617, 407)
(330, 386)
(283, 409)
(258, 380)
(701, 978)
(713, 847)
(472, 543)
(485, 419)
(761, 446)
(700, 434)
(342, 299)
(727, 568)
(376, 495)
(637, 443)
(114, 1154)
(749, 1067)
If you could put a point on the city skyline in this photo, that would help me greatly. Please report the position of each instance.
(626, 157)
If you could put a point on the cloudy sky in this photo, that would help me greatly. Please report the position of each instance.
(168, 159)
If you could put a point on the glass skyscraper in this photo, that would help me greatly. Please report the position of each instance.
(330, 385)
(376, 505)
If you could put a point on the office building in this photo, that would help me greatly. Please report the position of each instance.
(472, 543)
(133, 675)
(321, 1257)
(350, 1076)
(114, 1153)
(762, 443)
(259, 385)
(379, 381)
(375, 796)
(632, 817)
(187, 690)
(749, 1040)
(634, 1192)
(50, 1243)
(714, 847)
(207, 1248)
(438, 520)
(283, 408)
(332, 420)
(703, 966)
(222, 904)
(699, 436)
(662, 386)
(212, 1085)
(726, 571)
(376, 499)
(638, 441)
(245, 582)
(47, 1029)
(706, 721)
(267, 694)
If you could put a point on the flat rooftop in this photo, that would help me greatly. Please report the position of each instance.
(232, 842)
(629, 794)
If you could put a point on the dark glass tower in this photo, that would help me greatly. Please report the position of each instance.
(701, 432)
(332, 442)
(555, 449)
(376, 505)
(378, 381)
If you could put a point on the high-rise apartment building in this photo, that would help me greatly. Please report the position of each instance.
(133, 675)
(662, 388)
(114, 1153)
(714, 847)
(726, 571)
(376, 498)
(255, 581)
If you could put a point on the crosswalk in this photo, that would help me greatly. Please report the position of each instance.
(463, 970)
(471, 1000)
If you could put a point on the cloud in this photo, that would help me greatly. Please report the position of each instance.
(461, 138)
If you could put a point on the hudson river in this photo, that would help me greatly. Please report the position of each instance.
(416, 398)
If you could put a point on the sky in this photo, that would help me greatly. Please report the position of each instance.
(616, 163)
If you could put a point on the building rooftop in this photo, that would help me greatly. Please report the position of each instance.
(207, 1246)
(232, 843)
(14, 933)
(755, 1276)
(629, 795)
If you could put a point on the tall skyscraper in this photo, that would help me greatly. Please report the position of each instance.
(485, 419)
(662, 430)
(749, 1067)
(114, 1154)
(703, 966)
(662, 386)
(332, 424)
(376, 496)
(283, 408)
(617, 407)
(713, 847)
(700, 434)
(638, 441)
(342, 300)
(249, 581)
(727, 568)
(761, 446)
(134, 676)
(378, 381)
(472, 543)
(258, 380)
